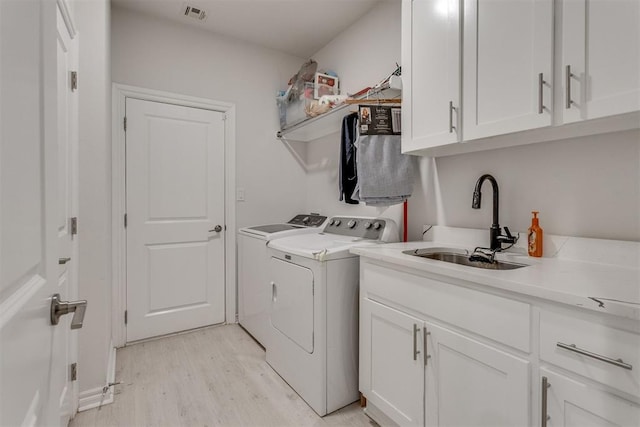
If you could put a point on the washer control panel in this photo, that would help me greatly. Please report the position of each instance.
(310, 220)
(363, 228)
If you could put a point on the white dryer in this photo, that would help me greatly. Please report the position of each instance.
(314, 309)
(253, 260)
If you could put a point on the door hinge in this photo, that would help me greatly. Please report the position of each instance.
(74, 81)
(74, 371)
(74, 226)
(125, 220)
(224, 118)
(125, 123)
(126, 317)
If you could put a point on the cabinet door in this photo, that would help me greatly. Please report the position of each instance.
(391, 364)
(470, 383)
(600, 58)
(507, 66)
(431, 73)
(571, 403)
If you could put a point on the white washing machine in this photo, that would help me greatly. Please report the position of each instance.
(253, 262)
(314, 309)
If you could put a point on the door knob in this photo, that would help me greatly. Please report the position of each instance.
(59, 308)
(217, 229)
(63, 261)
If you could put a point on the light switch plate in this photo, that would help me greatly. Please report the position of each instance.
(240, 194)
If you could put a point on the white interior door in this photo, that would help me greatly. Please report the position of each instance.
(32, 351)
(175, 204)
(67, 187)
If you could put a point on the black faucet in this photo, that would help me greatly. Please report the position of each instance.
(495, 233)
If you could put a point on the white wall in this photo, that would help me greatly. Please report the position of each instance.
(362, 55)
(94, 221)
(587, 187)
(162, 55)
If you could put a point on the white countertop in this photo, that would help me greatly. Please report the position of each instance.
(611, 286)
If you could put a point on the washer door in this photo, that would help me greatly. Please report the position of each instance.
(292, 302)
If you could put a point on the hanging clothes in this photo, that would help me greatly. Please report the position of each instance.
(348, 165)
(385, 175)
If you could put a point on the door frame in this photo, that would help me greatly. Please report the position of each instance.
(74, 139)
(120, 93)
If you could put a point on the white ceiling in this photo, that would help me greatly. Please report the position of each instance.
(297, 27)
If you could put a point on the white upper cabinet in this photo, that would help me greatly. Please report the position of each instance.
(600, 58)
(475, 69)
(507, 66)
(431, 73)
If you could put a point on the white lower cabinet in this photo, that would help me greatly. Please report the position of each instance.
(435, 353)
(393, 379)
(418, 373)
(567, 402)
(469, 383)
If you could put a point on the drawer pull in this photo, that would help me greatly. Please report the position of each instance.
(617, 362)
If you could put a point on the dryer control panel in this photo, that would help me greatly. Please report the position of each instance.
(382, 229)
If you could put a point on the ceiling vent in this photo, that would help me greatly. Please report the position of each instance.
(194, 12)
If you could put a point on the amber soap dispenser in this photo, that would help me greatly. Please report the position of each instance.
(535, 237)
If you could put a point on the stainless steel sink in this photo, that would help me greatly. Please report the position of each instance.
(461, 257)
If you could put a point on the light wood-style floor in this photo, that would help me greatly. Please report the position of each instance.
(215, 376)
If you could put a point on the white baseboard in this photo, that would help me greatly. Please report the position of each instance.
(94, 398)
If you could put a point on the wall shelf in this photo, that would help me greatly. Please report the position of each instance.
(325, 124)
(315, 127)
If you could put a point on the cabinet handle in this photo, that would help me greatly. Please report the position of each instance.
(617, 362)
(541, 83)
(426, 353)
(415, 341)
(273, 291)
(567, 84)
(451, 108)
(544, 416)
